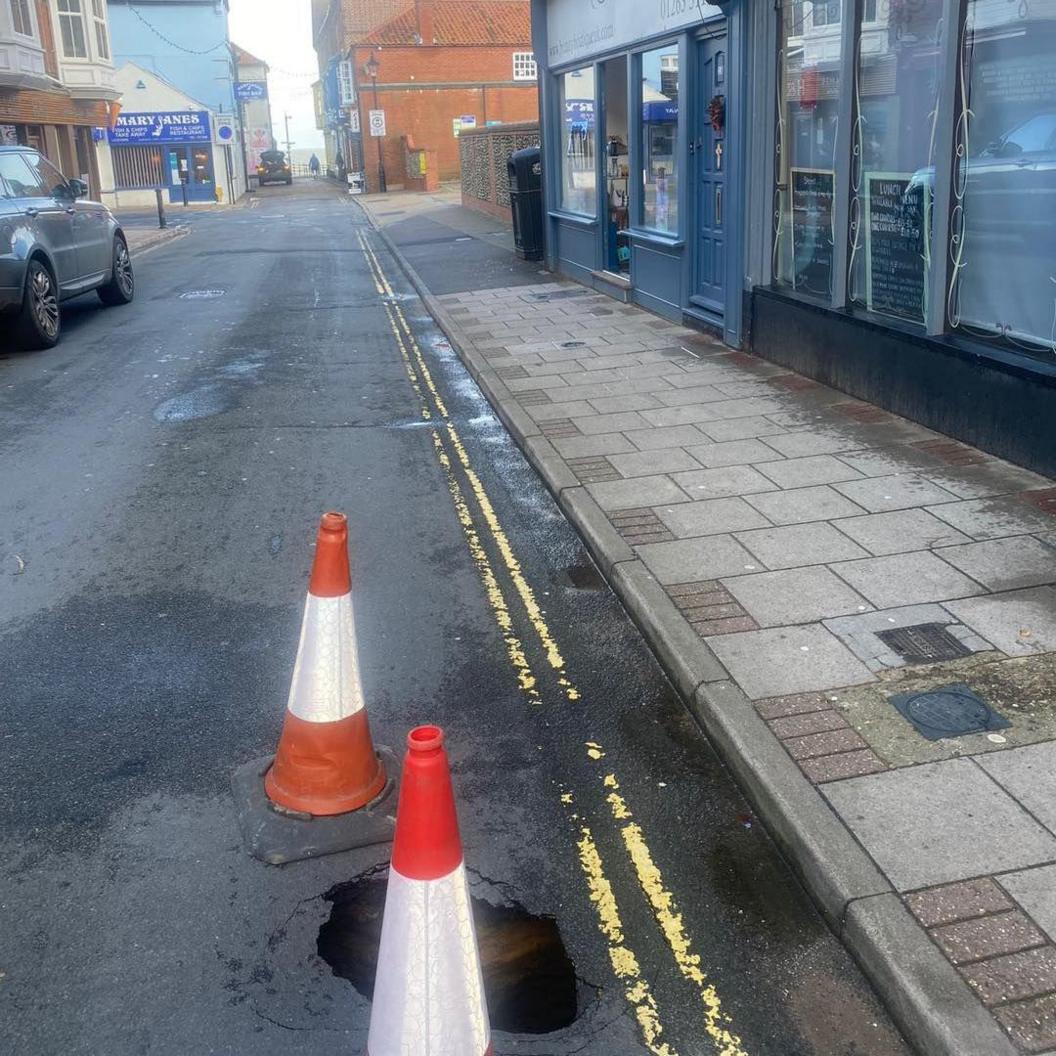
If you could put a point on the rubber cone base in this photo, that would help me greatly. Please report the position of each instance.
(277, 837)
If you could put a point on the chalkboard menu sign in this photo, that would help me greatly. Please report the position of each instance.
(812, 202)
(896, 219)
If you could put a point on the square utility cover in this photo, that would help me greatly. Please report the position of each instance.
(948, 711)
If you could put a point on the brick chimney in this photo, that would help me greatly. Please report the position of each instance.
(424, 11)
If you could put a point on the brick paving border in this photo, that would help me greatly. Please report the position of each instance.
(999, 951)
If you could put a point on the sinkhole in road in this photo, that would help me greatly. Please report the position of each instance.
(529, 979)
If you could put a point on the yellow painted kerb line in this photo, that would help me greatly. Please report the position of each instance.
(670, 920)
(649, 877)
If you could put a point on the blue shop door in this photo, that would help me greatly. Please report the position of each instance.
(709, 147)
(197, 162)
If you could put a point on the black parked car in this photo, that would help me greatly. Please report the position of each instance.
(274, 168)
(53, 245)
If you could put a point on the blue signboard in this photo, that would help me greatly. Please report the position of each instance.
(659, 111)
(170, 126)
(250, 91)
(331, 95)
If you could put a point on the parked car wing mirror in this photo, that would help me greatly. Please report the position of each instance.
(77, 189)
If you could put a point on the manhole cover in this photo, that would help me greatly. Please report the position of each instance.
(924, 643)
(529, 980)
(948, 711)
(201, 295)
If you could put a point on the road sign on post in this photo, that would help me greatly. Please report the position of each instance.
(377, 122)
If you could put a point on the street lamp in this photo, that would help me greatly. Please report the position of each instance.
(372, 69)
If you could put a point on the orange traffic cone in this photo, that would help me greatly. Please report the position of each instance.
(428, 991)
(326, 763)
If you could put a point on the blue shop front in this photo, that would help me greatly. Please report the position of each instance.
(863, 191)
(643, 130)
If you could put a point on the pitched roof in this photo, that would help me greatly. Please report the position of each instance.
(461, 22)
(245, 58)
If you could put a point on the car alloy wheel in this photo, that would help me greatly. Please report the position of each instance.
(123, 270)
(45, 304)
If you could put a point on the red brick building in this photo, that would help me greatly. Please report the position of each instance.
(441, 64)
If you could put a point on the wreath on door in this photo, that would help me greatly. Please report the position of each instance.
(717, 112)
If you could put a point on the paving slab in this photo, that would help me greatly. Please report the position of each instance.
(1029, 775)
(742, 428)
(899, 531)
(1005, 564)
(696, 560)
(777, 661)
(897, 492)
(669, 436)
(734, 453)
(711, 517)
(994, 518)
(601, 444)
(636, 492)
(644, 463)
(793, 545)
(989, 478)
(1018, 622)
(806, 472)
(796, 595)
(803, 442)
(723, 481)
(610, 423)
(1035, 891)
(939, 822)
(906, 579)
(802, 505)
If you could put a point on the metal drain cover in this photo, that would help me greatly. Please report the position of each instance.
(924, 643)
(948, 711)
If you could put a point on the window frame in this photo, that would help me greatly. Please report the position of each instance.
(102, 30)
(525, 68)
(68, 20)
(638, 149)
(558, 80)
(22, 11)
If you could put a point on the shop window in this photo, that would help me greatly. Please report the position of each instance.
(659, 99)
(578, 166)
(21, 19)
(808, 87)
(893, 166)
(138, 167)
(71, 28)
(102, 38)
(1003, 222)
(524, 68)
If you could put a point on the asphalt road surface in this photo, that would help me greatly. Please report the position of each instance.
(161, 476)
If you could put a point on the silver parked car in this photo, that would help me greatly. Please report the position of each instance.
(53, 246)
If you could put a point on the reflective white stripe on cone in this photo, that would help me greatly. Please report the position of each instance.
(326, 685)
(429, 992)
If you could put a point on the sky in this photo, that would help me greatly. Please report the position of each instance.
(280, 33)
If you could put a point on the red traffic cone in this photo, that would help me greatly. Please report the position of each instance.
(326, 763)
(428, 991)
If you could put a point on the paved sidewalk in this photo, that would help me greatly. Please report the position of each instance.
(812, 570)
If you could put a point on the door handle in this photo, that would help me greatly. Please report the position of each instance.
(32, 212)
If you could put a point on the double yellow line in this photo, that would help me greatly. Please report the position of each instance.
(450, 451)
